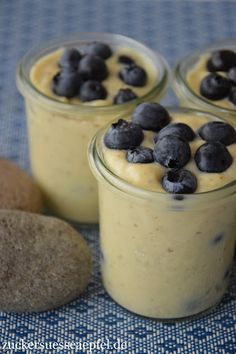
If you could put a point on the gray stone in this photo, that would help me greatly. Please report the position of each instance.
(17, 189)
(44, 262)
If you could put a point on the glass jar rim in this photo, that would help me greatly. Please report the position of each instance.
(181, 83)
(24, 82)
(102, 172)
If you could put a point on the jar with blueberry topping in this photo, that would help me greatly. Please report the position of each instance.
(167, 199)
(72, 87)
(206, 80)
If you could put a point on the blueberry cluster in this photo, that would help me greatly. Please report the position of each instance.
(171, 145)
(216, 86)
(81, 74)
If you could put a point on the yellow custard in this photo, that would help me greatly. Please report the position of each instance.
(43, 71)
(148, 176)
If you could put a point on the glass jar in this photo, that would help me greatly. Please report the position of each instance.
(59, 132)
(187, 96)
(163, 257)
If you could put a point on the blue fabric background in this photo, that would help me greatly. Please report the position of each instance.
(173, 28)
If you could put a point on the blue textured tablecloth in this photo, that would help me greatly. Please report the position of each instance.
(173, 28)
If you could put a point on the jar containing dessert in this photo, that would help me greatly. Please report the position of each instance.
(72, 87)
(167, 198)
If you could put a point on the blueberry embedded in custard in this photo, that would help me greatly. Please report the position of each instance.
(180, 130)
(151, 116)
(221, 60)
(172, 152)
(215, 87)
(140, 154)
(125, 60)
(66, 83)
(123, 135)
(92, 90)
(179, 182)
(227, 273)
(218, 239)
(124, 95)
(133, 75)
(70, 59)
(218, 131)
(92, 67)
(213, 157)
(99, 49)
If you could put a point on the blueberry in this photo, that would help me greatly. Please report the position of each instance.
(92, 90)
(179, 181)
(70, 59)
(218, 131)
(218, 239)
(124, 95)
(123, 135)
(171, 151)
(221, 60)
(213, 157)
(178, 197)
(92, 67)
(124, 59)
(215, 87)
(232, 96)
(232, 75)
(181, 130)
(151, 116)
(227, 273)
(100, 49)
(140, 154)
(133, 75)
(66, 83)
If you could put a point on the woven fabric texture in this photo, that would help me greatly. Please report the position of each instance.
(173, 28)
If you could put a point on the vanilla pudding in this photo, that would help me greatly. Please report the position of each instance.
(66, 106)
(198, 73)
(165, 254)
(206, 80)
(46, 68)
